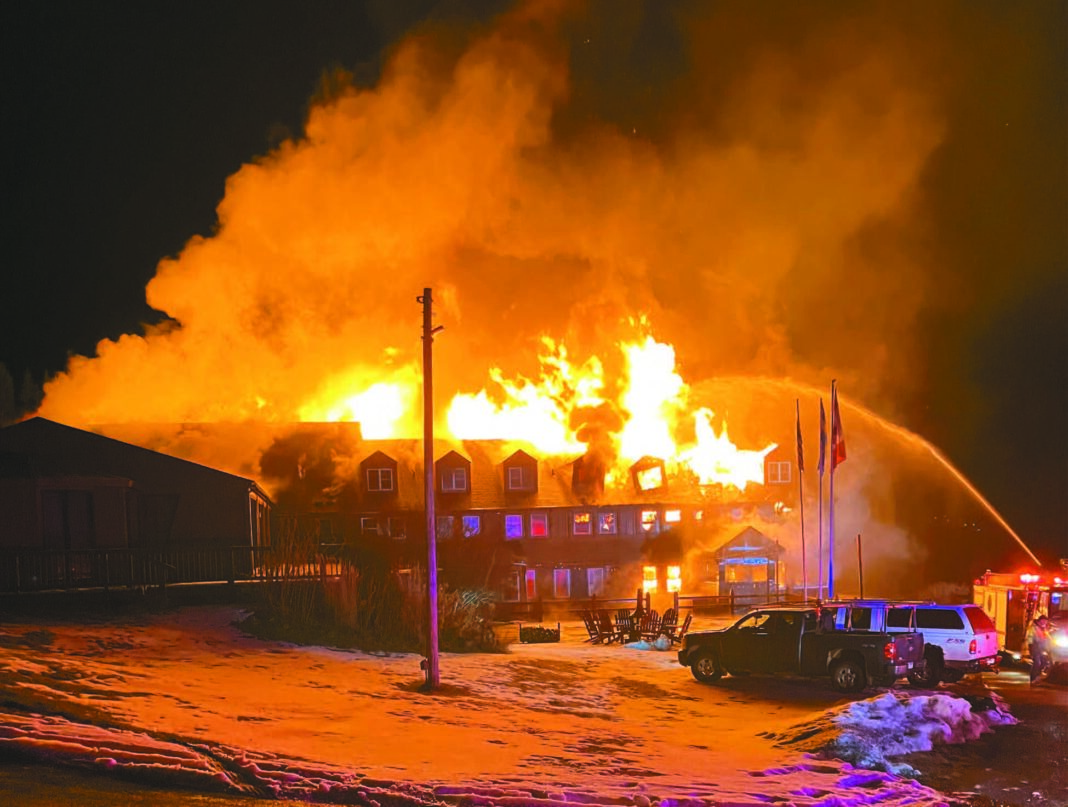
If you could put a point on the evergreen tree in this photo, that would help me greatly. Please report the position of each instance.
(30, 394)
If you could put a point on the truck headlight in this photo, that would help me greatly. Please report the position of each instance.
(1060, 640)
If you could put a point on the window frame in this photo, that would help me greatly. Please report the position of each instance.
(381, 472)
(566, 576)
(449, 477)
(782, 468)
(517, 477)
(576, 522)
(542, 520)
(444, 527)
(512, 519)
(596, 589)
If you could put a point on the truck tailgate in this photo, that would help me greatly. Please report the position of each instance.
(909, 646)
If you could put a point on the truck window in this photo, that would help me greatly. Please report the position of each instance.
(938, 619)
(752, 622)
(899, 618)
(979, 620)
(860, 618)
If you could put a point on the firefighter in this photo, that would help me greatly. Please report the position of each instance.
(1038, 642)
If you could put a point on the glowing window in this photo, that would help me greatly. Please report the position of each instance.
(648, 520)
(561, 583)
(699, 515)
(445, 525)
(746, 573)
(453, 480)
(582, 523)
(778, 473)
(379, 480)
(649, 579)
(672, 516)
(539, 525)
(674, 578)
(472, 525)
(606, 523)
(513, 526)
(532, 584)
(650, 478)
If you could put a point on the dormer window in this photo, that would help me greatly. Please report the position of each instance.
(519, 479)
(521, 473)
(379, 480)
(454, 480)
(648, 474)
(379, 474)
(453, 473)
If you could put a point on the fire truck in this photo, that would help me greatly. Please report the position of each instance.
(1014, 599)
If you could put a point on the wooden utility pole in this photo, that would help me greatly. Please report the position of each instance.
(433, 674)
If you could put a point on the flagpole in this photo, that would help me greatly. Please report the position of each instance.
(823, 454)
(801, 497)
(819, 593)
(830, 517)
(830, 539)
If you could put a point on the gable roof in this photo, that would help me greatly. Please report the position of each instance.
(47, 448)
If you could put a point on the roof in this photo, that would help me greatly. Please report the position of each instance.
(41, 447)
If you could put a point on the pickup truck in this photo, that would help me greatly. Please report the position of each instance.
(958, 639)
(790, 641)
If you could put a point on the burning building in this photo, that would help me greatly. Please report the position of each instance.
(573, 250)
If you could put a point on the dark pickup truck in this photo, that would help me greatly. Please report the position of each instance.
(790, 641)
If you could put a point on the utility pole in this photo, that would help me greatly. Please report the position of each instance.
(433, 674)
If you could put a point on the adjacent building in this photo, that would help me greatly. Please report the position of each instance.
(64, 488)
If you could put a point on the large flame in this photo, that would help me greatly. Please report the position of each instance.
(650, 399)
(494, 167)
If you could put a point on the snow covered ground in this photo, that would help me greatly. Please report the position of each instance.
(184, 699)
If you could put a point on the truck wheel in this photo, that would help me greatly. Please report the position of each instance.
(932, 671)
(847, 675)
(705, 668)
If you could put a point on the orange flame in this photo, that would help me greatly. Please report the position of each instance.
(651, 402)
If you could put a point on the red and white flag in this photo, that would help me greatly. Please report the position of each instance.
(838, 448)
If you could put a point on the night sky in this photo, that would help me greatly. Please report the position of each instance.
(122, 122)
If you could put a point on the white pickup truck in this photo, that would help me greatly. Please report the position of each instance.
(958, 639)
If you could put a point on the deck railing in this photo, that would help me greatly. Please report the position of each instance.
(27, 570)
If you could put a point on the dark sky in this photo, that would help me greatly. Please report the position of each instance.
(123, 120)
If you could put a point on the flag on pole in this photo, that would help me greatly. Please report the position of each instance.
(800, 451)
(823, 437)
(838, 449)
